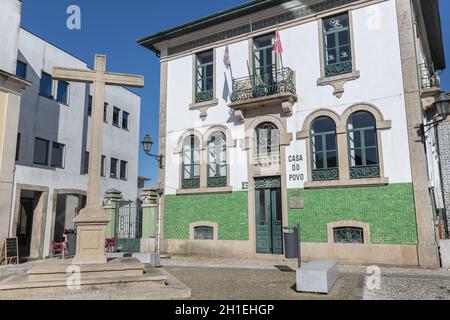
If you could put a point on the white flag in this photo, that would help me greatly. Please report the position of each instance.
(226, 58)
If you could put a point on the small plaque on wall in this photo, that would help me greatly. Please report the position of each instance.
(296, 203)
(244, 185)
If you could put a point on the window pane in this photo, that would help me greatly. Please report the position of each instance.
(371, 156)
(370, 138)
(45, 88)
(343, 38)
(330, 41)
(318, 144)
(318, 161)
(362, 119)
(344, 53)
(331, 56)
(355, 139)
(21, 69)
(41, 151)
(103, 168)
(336, 23)
(116, 112)
(205, 57)
(113, 171)
(330, 142)
(19, 137)
(323, 124)
(90, 105)
(204, 233)
(123, 170)
(62, 94)
(348, 235)
(57, 155)
(264, 41)
(125, 116)
(262, 207)
(86, 162)
(332, 160)
(356, 156)
(105, 112)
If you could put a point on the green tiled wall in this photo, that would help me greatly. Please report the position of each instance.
(229, 211)
(389, 211)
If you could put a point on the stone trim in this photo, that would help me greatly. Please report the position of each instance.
(338, 81)
(203, 141)
(203, 106)
(347, 183)
(341, 132)
(213, 225)
(285, 139)
(348, 223)
(204, 190)
(267, 24)
(427, 250)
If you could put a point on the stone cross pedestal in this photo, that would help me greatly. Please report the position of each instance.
(92, 221)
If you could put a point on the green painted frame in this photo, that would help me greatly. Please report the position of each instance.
(339, 67)
(218, 180)
(325, 173)
(202, 94)
(365, 170)
(192, 181)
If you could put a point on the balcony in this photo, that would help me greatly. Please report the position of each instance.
(429, 77)
(276, 88)
(266, 164)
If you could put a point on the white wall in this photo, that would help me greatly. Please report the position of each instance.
(69, 124)
(10, 14)
(381, 84)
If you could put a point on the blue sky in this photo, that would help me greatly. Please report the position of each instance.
(112, 28)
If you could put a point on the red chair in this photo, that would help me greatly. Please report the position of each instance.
(110, 244)
(58, 248)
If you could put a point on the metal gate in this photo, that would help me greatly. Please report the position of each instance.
(128, 229)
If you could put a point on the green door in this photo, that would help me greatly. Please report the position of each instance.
(268, 218)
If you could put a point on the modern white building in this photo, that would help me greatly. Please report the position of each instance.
(53, 139)
(323, 134)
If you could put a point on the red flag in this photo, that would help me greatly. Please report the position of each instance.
(278, 48)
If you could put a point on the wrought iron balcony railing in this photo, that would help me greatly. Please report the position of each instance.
(204, 96)
(266, 160)
(217, 181)
(361, 172)
(266, 84)
(191, 183)
(338, 68)
(325, 174)
(429, 77)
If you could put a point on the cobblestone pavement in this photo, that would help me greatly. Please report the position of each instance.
(258, 284)
(216, 278)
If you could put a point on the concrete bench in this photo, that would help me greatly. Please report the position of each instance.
(317, 276)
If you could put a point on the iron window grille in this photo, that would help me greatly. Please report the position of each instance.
(348, 235)
(204, 233)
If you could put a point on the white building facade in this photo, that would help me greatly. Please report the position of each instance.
(53, 141)
(322, 135)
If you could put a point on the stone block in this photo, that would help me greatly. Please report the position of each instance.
(317, 276)
(445, 253)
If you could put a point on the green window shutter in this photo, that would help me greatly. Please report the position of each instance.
(337, 45)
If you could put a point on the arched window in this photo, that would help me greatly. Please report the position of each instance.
(348, 235)
(267, 140)
(324, 153)
(363, 146)
(217, 160)
(191, 163)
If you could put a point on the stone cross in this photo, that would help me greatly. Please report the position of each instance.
(91, 222)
